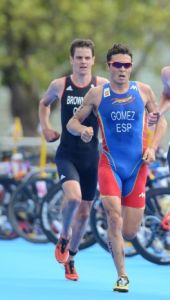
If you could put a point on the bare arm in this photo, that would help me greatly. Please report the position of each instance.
(101, 80)
(160, 127)
(89, 104)
(165, 97)
(159, 132)
(164, 103)
(44, 113)
(44, 110)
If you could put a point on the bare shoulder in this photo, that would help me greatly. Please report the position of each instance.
(54, 91)
(148, 96)
(58, 84)
(165, 71)
(146, 91)
(143, 87)
(165, 77)
(101, 80)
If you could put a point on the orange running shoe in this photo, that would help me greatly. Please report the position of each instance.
(70, 271)
(62, 251)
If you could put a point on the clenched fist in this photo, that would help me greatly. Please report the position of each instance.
(153, 118)
(50, 135)
(87, 134)
(149, 155)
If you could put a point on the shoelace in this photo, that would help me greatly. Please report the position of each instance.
(71, 265)
(122, 281)
(63, 245)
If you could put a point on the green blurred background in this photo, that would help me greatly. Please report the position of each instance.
(35, 37)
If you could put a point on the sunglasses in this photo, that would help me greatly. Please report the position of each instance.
(119, 65)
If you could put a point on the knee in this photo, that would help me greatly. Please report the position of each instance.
(129, 234)
(73, 196)
(115, 220)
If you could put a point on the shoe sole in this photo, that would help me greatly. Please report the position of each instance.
(73, 279)
(120, 290)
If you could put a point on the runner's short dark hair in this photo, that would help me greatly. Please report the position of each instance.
(118, 49)
(81, 43)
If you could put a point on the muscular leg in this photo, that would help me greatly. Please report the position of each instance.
(130, 228)
(112, 207)
(79, 224)
(72, 200)
(75, 214)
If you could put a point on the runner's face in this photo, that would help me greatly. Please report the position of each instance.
(120, 75)
(82, 61)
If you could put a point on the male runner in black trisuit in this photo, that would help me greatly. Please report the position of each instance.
(76, 161)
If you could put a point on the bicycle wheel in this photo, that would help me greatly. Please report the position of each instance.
(152, 240)
(98, 223)
(24, 209)
(7, 187)
(51, 218)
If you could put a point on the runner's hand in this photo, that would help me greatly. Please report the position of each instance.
(51, 135)
(153, 118)
(149, 155)
(87, 134)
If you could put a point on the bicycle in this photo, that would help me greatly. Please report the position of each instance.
(153, 238)
(7, 187)
(24, 207)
